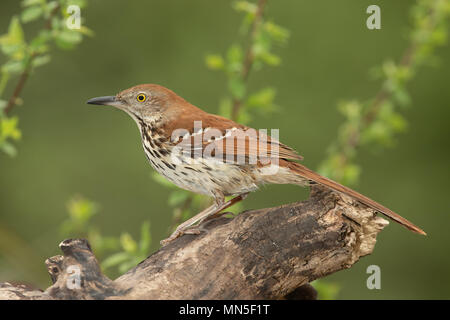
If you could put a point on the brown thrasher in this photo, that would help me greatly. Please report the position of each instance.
(212, 155)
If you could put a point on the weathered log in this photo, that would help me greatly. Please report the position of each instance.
(269, 253)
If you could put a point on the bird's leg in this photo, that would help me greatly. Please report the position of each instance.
(180, 230)
(206, 214)
(226, 205)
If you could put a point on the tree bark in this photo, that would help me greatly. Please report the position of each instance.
(270, 253)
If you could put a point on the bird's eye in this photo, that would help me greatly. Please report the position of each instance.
(141, 97)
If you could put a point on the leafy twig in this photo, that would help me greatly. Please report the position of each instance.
(374, 122)
(26, 72)
(249, 56)
(19, 87)
(23, 57)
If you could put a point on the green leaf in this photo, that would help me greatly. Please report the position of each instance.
(115, 259)
(225, 107)
(326, 290)
(163, 181)
(262, 44)
(397, 122)
(28, 3)
(237, 87)
(215, 62)
(377, 132)
(177, 197)
(3, 104)
(80, 3)
(52, 5)
(101, 244)
(402, 97)
(351, 174)
(67, 39)
(186, 214)
(128, 243)
(31, 13)
(13, 43)
(81, 209)
(9, 129)
(86, 31)
(15, 31)
(13, 67)
(351, 110)
(244, 117)
(234, 53)
(245, 6)
(276, 32)
(200, 200)
(262, 99)
(8, 148)
(270, 58)
(39, 44)
(127, 265)
(41, 60)
(146, 238)
(234, 58)
(3, 81)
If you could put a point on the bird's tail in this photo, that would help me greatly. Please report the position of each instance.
(311, 175)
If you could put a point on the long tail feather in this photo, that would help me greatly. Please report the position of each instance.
(309, 174)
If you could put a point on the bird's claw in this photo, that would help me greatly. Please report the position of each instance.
(178, 233)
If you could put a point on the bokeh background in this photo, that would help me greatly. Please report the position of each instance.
(71, 148)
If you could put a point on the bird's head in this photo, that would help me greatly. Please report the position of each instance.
(142, 101)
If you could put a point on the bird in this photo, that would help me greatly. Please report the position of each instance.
(215, 156)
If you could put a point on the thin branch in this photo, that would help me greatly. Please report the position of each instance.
(249, 58)
(26, 72)
(383, 95)
(20, 85)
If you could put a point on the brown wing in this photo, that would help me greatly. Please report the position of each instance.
(224, 139)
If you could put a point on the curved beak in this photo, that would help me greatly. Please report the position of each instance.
(105, 101)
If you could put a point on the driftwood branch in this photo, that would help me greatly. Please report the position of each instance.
(261, 254)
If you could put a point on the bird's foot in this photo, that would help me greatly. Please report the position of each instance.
(178, 233)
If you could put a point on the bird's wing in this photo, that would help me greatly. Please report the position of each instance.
(224, 139)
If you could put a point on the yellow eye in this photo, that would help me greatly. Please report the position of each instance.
(141, 97)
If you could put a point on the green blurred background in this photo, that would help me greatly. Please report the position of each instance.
(71, 148)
